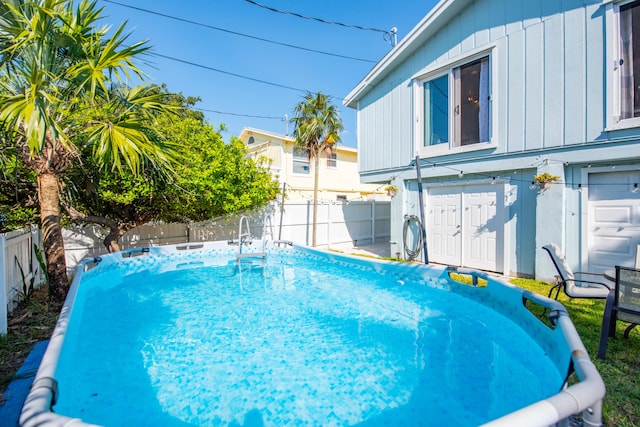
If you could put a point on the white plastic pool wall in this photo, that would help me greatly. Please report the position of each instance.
(584, 397)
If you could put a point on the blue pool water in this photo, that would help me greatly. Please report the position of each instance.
(301, 340)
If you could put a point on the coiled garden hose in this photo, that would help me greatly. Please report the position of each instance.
(412, 253)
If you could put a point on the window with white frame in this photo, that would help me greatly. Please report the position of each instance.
(455, 106)
(622, 51)
(332, 160)
(629, 45)
(300, 161)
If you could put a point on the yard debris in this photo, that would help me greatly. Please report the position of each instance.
(16, 320)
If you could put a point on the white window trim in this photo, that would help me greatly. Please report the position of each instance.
(328, 159)
(612, 70)
(299, 159)
(432, 72)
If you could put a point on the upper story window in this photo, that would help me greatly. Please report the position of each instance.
(629, 60)
(623, 53)
(300, 161)
(454, 107)
(332, 160)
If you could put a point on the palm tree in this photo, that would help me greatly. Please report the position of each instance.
(55, 59)
(317, 128)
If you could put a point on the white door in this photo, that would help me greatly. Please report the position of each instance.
(465, 226)
(482, 223)
(614, 219)
(444, 225)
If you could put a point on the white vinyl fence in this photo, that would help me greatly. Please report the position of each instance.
(16, 253)
(339, 223)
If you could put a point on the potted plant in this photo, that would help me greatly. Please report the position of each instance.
(544, 180)
(391, 190)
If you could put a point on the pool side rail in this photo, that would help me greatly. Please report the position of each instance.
(584, 397)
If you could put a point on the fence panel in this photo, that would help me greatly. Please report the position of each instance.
(18, 259)
(362, 223)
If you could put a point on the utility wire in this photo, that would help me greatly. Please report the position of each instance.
(317, 19)
(206, 67)
(237, 33)
(194, 64)
(238, 114)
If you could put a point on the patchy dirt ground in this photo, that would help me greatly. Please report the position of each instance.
(31, 322)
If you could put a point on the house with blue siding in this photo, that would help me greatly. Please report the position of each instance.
(483, 96)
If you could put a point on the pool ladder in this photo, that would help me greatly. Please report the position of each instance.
(245, 238)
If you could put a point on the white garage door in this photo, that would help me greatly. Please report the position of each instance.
(614, 219)
(465, 226)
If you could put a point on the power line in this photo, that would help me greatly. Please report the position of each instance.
(237, 33)
(206, 67)
(317, 19)
(238, 114)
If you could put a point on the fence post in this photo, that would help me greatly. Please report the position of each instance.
(36, 241)
(329, 208)
(373, 222)
(3, 287)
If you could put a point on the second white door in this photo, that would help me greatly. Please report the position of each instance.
(465, 226)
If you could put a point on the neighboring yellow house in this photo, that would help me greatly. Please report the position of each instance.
(338, 179)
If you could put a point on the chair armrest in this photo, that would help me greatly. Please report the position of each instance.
(598, 284)
(589, 273)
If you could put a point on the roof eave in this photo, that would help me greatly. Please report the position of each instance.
(425, 29)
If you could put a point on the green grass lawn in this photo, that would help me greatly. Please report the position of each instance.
(621, 369)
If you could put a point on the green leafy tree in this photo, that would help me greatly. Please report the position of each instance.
(18, 198)
(55, 56)
(211, 179)
(317, 128)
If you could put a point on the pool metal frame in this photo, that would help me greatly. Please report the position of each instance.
(583, 398)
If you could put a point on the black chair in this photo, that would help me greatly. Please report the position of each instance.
(623, 304)
(578, 284)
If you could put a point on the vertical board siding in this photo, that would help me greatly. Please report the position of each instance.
(513, 16)
(595, 63)
(514, 98)
(531, 13)
(552, 122)
(550, 8)
(534, 89)
(466, 28)
(379, 135)
(366, 137)
(387, 120)
(523, 241)
(574, 76)
(544, 95)
(482, 25)
(500, 110)
(497, 18)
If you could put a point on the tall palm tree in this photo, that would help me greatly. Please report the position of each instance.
(317, 128)
(54, 58)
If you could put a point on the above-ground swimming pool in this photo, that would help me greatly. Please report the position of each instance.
(195, 335)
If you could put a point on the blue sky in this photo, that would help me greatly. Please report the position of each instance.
(288, 72)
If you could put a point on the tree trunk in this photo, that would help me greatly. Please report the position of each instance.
(316, 166)
(49, 198)
(116, 229)
(111, 241)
